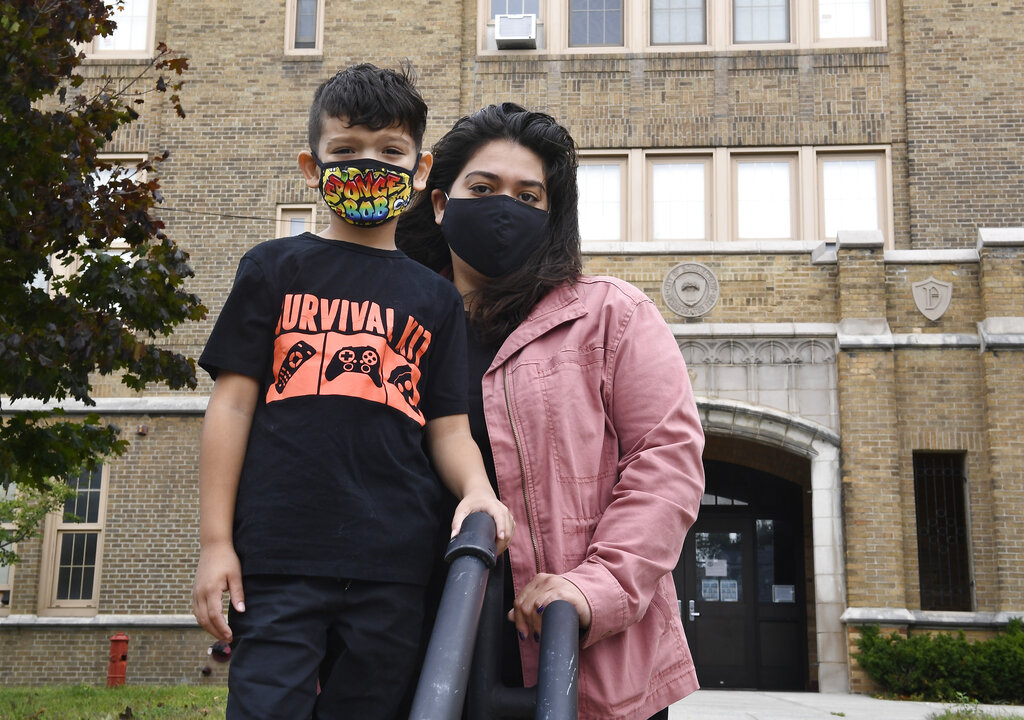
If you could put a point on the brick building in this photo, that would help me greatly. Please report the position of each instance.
(824, 197)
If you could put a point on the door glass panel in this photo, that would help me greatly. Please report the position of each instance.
(720, 566)
(776, 571)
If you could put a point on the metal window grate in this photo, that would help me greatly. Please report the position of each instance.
(942, 542)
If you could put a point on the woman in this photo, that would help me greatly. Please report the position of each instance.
(580, 402)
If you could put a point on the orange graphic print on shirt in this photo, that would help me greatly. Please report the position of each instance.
(332, 346)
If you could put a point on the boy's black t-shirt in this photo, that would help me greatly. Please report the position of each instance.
(355, 349)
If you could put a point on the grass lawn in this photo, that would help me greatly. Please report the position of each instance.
(80, 702)
(971, 713)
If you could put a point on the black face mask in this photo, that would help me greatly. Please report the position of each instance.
(494, 234)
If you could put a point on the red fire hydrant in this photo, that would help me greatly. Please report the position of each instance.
(118, 659)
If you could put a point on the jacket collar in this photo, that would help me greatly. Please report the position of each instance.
(563, 304)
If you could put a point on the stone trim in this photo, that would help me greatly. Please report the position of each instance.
(701, 247)
(155, 405)
(927, 618)
(931, 257)
(99, 621)
(1000, 237)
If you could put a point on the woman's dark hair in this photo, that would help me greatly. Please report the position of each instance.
(497, 309)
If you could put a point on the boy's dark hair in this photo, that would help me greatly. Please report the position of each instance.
(498, 308)
(374, 97)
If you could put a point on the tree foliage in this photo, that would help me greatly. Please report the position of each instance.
(71, 305)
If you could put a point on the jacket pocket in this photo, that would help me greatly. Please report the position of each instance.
(583, 442)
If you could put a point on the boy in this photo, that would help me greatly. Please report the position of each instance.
(334, 357)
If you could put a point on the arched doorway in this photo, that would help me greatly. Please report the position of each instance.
(743, 582)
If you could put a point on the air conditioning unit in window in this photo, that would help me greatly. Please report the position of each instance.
(515, 32)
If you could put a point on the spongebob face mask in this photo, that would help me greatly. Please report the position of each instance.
(363, 192)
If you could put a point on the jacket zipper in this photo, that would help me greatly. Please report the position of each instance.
(522, 470)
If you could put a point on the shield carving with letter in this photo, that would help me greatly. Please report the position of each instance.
(932, 297)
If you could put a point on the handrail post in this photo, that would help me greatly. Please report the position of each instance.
(558, 673)
(441, 690)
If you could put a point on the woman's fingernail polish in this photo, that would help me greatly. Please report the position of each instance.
(540, 609)
(521, 635)
(536, 637)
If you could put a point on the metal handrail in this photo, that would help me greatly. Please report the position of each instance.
(441, 690)
(471, 608)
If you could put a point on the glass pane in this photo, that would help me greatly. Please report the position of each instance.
(515, 7)
(600, 201)
(305, 23)
(595, 22)
(77, 566)
(765, 560)
(132, 27)
(760, 21)
(850, 191)
(678, 202)
(84, 506)
(5, 574)
(720, 566)
(764, 206)
(844, 18)
(296, 225)
(677, 22)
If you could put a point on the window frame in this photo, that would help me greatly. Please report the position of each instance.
(125, 160)
(93, 52)
(290, 25)
(651, 46)
(878, 27)
(883, 183)
(792, 158)
(7, 586)
(599, 47)
(56, 527)
(287, 211)
(791, 30)
(604, 157)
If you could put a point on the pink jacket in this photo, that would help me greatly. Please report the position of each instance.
(597, 448)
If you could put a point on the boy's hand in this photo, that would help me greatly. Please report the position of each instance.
(219, 572)
(484, 500)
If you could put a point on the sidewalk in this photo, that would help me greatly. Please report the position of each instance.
(757, 705)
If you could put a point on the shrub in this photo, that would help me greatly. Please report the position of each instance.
(946, 667)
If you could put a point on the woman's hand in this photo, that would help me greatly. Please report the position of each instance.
(528, 610)
(484, 500)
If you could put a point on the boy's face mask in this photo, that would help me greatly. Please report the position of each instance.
(364, 192)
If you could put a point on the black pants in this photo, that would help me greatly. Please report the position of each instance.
(357, 638)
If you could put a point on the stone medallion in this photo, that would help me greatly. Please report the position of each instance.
(690, 289)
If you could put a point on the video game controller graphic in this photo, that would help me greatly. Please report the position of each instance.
(362, 359)
(401, 378)
(297, 354)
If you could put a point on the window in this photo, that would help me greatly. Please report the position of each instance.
(845, 19)
(764, 189)
(602, 201)
(595, 22)
(943, 552)
(294, 219)
(678, 194)
(72, 548)
(515, 7)
(117, 246)
(780, 196)
(6, 571)
(304, 27)
(851, 192)
(678, 22)
(593, 27)
(133, 36)
(761, 21)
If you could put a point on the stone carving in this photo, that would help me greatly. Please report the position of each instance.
(690, 289)
(758, 351)
(932, 297)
